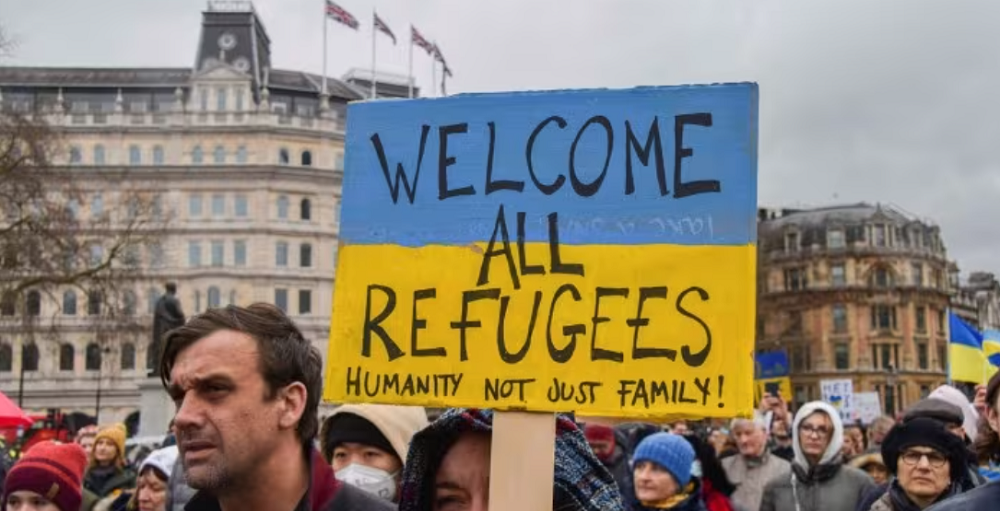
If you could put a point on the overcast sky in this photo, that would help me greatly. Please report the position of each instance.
(881, 101)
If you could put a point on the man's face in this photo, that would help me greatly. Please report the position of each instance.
(779, 430)
(462, 482)
(680, 428)
(603, 449)
(750, 438)
(815, 432)
(924, 473)
(226, 427)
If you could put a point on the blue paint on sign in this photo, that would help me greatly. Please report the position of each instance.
(652, 165)
(771, 364)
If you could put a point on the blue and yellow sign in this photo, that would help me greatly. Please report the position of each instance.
(584, 250)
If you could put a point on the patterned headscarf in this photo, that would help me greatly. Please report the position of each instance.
(582, 483)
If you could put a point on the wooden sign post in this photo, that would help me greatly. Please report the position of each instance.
(589, 251)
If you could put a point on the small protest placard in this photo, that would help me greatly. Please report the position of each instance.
(840, 394)
(590, 250)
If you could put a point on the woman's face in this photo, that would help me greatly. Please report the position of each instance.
(105, 451)
(151, 492)
(653, 483)
(28, 501)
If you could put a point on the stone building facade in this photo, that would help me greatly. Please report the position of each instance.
(247, 160)
(857, 291)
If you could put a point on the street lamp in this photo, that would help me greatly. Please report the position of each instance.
(100, 376)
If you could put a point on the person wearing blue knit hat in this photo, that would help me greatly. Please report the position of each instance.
(661, 470)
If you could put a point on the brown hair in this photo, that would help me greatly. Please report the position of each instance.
(285, 356)
(987, 445)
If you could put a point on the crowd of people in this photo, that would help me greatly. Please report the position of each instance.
(247, 436)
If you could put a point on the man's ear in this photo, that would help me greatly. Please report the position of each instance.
(293, 400)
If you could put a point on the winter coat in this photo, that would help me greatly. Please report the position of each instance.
(582, 482)
(178, 492)
(103, 485)
(325, 493)
(619, 467)
(827, 486)
(981, 498)
(750, 477)
(693, 502)
(895, 499)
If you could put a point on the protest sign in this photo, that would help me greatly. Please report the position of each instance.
(771, 375)
(866, 407)
(840, 394)
(590, 251)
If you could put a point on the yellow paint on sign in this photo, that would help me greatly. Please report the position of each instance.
(649, 331)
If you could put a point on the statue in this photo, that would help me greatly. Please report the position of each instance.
(167, 316)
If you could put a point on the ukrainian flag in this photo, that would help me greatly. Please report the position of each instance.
(965, 351)
(991, 349)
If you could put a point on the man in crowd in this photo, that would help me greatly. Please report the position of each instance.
(247, 387)
(754, 466)
(877, 431)
(609, 447)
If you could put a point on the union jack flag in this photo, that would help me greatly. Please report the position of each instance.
(421, 41)
(381, 26)
(438, 56)
(339, 14)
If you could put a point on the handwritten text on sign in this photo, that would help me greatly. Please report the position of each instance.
(571, 250)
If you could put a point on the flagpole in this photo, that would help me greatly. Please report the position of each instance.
(947, 337)
(374, 14)
(324, 46)
(410, 80)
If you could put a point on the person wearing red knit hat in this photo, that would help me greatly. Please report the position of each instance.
(49, 477)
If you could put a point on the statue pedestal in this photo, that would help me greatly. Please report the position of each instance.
(155, 408)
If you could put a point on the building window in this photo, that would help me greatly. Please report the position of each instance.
(305, 301)
(881, 277)
(835, 238)
(219, 155)
(75, 156)
(239, 253)
(8, 304)
(339, 163)
(214, 297)
(129, 302)
(842, 357)
(941, 322)
(942, 353)
(6, 358)
(917, 271)
(281, 254)
(282, 207)
(883, 317)
(791, 242)
(218, 205)
(795, 279)
(240, 206)
(96, 255)
(194, 205)
(197, 155)
(925, 391)
(203, 99)
(69, 303)
(220, 99)
(153, 296)
(98, 154)
(794, 322)
(889, 400)
(94, 299)
(838, 275)
(92, 361)
(305, 209)
(241, 154)
(97, 205)
(73, 209)
(281, 299)
(307, 159)
(283, 156)
(305, 255)
(66, 356)
(921, 319)
(29, 357)
(839, 318)
(218, 253)
(156, 256)
(128, 357)
(33, 303)
(240, 93)
(157, 155)
(923, 362)
(134, 155)
(194, 254)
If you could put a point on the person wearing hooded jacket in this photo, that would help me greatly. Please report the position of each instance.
(819, 480)
(662, 475)
(448, 467)
(366, 445)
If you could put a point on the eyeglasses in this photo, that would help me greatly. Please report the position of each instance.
(934, 459)
(818, 431)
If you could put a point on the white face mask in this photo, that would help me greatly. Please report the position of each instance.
(372, 480)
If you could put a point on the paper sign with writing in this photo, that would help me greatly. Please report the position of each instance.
(867, 407)
(840, 394)
(586, 250)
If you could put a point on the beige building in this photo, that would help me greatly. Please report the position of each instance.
(247, 161)
(858, 291)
